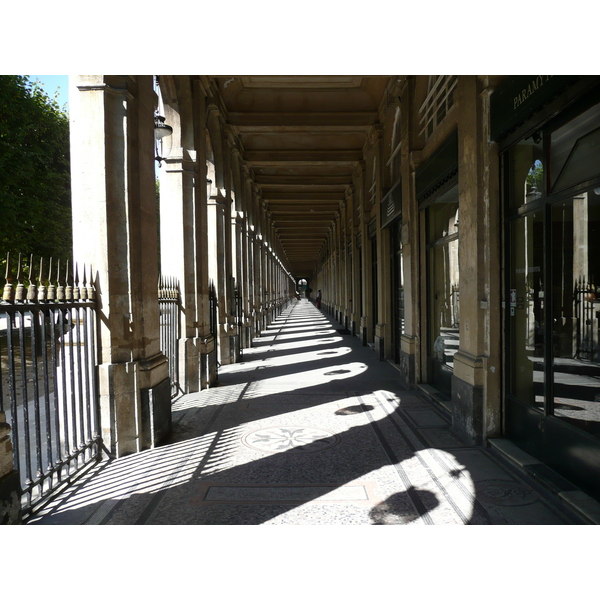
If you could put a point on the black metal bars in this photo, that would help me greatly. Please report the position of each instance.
(168, 302)
(48, 375)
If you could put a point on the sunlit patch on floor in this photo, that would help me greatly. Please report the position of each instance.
(312, 378)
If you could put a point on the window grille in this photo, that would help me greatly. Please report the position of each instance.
(394, 160)
(373, 187)
(439, 100)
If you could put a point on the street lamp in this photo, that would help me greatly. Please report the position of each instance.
(161, 129)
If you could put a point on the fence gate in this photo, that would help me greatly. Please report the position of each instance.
(48, 377)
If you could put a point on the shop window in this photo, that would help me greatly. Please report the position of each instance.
(553, 279)
(526, 309)
(574, 149)
(443, 287)
(575, 230)
(526, 173)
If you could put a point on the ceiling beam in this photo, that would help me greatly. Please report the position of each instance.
(302, 119)
(273, 196)
(297, 130)
(302, 156)
(287, 164)
(272, 181)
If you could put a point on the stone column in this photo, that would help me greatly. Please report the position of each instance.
(255, 282)
(216, 250)
(363, 268)
(245, 297)
(182, 217)
(345, 264)
(115, 230)
(10, 495)
(264, 267)
(475, 381)
(240, 288)
(354, 301)
(581, 272)
(208, 346)
(411, 338)
(249, 260)
(380, 337)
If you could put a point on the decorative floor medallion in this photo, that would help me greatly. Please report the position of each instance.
(283, 439)
(506, 493)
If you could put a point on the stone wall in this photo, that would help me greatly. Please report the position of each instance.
(10, 513)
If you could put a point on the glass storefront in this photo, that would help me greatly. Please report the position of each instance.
(575, 301)
(526, 285)
(552, 300)
(443, 288)
(397, 288)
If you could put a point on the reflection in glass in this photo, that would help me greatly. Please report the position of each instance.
(526, 171)
(576, 310)
(443, 288)
(526, 309)
(397, 288)
(574, 150)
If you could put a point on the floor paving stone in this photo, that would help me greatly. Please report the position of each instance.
(309, 429)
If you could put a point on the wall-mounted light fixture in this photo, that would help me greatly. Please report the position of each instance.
(161, 129)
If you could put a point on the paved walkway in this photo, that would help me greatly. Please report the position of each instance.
(310, 429)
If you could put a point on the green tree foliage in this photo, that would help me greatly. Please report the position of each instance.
(35, 191)
(535, 177)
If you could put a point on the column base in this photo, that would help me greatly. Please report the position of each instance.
(468, 406)
(364, 331)
(407, 361)
(156, 414)
(10, 499)
(120, 408)
(379, 339)
(208, 362)
(467, 411)
(189, 364)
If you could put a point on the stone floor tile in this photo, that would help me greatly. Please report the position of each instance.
(309, 429)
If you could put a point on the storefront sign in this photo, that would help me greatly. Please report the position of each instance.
(520, 97)
(533, 86)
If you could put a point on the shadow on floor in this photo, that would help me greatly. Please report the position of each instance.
(204, 475)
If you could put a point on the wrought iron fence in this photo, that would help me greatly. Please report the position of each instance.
(587, 315)
(168, 302)
(48, 376)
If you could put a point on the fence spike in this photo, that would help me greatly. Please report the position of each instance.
(7, 292)
(83, 294)
(20, 291)
(91, 288)
(69, 283)
(51, 286)
(41, 294)
(60, 288)
(75, 293)
(32, 289)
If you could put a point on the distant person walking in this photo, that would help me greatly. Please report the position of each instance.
(319, 299)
